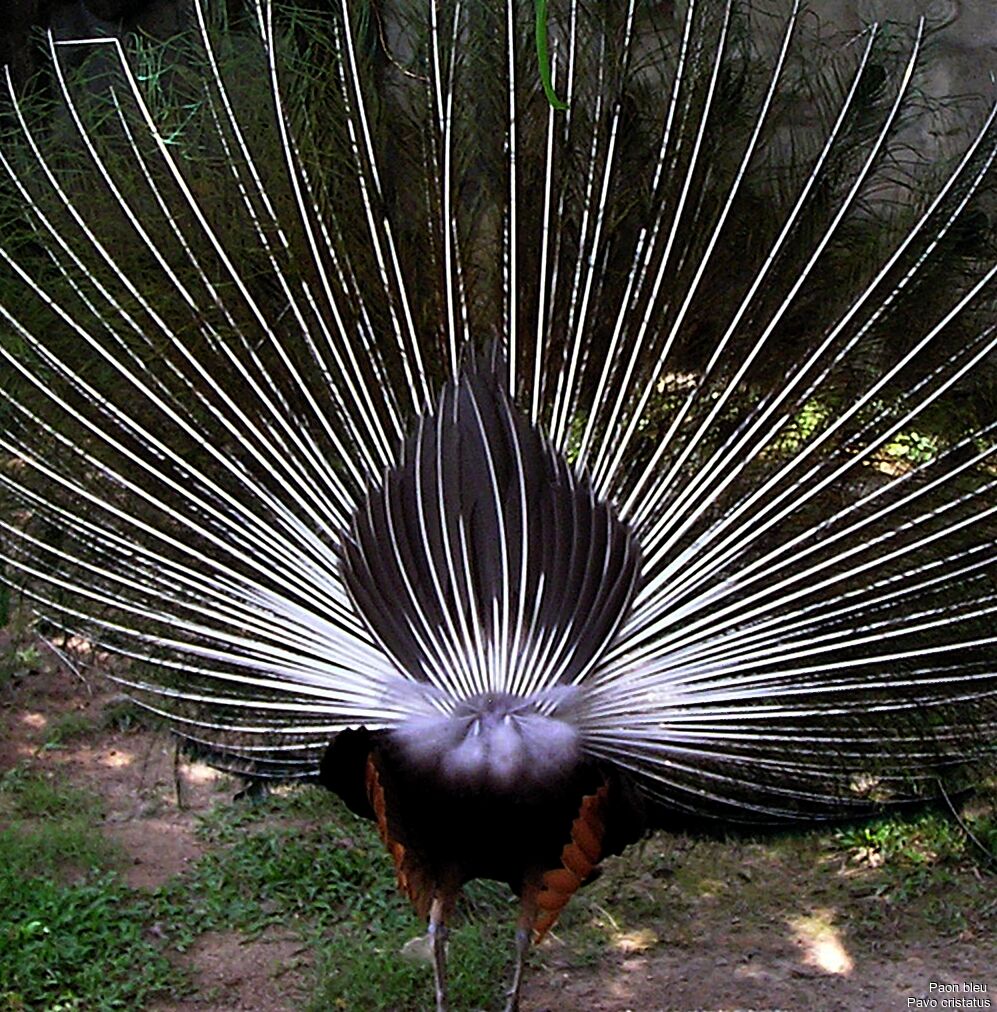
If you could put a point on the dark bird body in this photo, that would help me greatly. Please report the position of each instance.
(451, 835)
(544, 841)
(529, 477)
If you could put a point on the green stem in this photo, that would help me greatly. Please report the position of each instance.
(543, 56)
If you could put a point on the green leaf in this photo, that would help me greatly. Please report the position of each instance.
(543, 57)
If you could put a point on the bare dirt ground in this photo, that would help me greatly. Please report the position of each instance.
(731, 926)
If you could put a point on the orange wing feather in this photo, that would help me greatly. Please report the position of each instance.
(578, 860)
(412, 881)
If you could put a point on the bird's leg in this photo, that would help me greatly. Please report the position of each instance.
(438, 938)
(524, 936)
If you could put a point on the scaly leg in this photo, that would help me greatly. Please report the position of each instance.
(438, 937)
(524, 936)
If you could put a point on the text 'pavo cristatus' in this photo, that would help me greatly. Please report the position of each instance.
(531, 476)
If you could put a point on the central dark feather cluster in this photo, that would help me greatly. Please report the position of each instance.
(495, 578)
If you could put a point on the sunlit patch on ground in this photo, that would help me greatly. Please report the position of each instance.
(823, 945)
(116, 758)
(636, 941)
(198, 773)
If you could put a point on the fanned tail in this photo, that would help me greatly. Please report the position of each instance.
(251, 269)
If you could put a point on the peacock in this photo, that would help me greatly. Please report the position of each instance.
(538, 423)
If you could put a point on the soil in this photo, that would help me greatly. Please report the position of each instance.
(741, 926)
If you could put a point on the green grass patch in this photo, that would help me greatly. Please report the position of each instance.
(29, 794)
(365, 969)
(273, 876)
(72, 935)
(928, 839)
(926, 866)
(125, 715)
(18, 661)
(68, 727)
(298, 859)
(56, 850)
(227, 824)
(295, 859)
(77, 947)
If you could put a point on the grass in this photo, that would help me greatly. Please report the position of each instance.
(124, 715)
(81, 946)
(55, 851)
(298, 859)
(919, 864)
(928, 839)
(364, 969)
(72, 935)
(17, 661)
(26, 793)
(69, 727)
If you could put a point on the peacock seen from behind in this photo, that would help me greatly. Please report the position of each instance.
(530, 476)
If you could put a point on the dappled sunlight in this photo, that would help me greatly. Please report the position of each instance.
(35, 720)
(78, 645)
(632, 977)
(639, 940)
(93, 757)
(711, 888)
(199, 773)
(677, 381)
(116, 758)
(822, 943)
